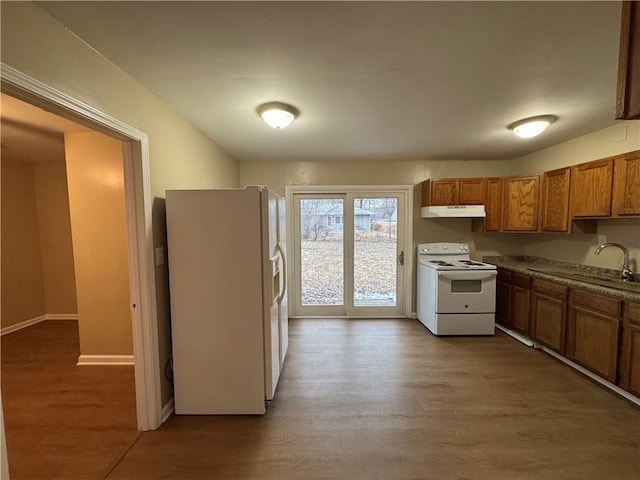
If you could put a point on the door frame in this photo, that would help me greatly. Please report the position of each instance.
(138, 203)
(405, 190)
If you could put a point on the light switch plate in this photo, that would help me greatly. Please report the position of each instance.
(602, 239)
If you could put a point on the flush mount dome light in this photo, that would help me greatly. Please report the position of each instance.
(533, 126)
(277, 114)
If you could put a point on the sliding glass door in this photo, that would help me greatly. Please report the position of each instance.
(349, 253)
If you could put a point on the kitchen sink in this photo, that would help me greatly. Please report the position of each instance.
(592, 279)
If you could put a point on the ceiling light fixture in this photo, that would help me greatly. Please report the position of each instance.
(532, 126)
(277, 114)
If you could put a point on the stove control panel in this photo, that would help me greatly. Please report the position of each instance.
(441, 248)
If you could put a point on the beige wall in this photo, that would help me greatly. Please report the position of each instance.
(55, 237)
(98, 227)
(180, 155)
(279, 174)
(620, 138)
(23, 296)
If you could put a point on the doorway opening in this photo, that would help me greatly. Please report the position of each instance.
(149, 410)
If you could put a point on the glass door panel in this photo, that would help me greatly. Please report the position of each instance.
(375, 247)
(322, 251)
(348, 254)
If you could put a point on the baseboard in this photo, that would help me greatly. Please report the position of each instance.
(105, 360)
(167, 410)
(33, 321)
(61, 316)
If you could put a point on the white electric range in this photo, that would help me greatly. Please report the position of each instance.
(456, 295)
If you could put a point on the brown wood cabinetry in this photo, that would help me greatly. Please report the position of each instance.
(591, 188)
(592, 332)
(520, 302)
(453, 191)
(555, 200)
(548, 313)
(520, 203)
(493, 205)
(503, 297)
(626, 184)
(628, 95)
(629, 360)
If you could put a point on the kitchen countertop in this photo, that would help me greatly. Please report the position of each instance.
(586, 277)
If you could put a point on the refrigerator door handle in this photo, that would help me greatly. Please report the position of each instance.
(284, 271)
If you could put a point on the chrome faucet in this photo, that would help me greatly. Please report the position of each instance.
(626, 273)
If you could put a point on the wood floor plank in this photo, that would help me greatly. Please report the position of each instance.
(63, 421)
(385, 399)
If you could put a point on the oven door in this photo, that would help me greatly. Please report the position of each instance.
(466, 291)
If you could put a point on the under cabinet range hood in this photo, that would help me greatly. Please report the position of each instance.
(458, 211)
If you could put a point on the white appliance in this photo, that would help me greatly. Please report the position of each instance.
(456, 295)
(445, 211)
(227, 278)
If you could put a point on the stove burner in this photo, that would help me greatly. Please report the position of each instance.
(441, 263)
(471, 263)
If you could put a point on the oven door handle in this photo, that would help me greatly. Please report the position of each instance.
(457, 275)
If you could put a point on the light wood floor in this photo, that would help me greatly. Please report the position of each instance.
(365, 399)
(62, 421)
(387, 400)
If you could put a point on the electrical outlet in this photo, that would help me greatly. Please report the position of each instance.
(159, 256)
(602, 239)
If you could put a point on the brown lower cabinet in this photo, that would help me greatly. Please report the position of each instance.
(503, 297)
(520, 302)
(599, 332)
(548, 313)
(592, 336)
(629, 371)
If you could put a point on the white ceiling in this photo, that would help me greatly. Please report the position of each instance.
(373, 80)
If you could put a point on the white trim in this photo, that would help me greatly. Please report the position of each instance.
(138, 200)
(24, 324)
(629, 396)
(105, 360)
(168, 409)
(62, 316)
(33, 321)
(530, 343)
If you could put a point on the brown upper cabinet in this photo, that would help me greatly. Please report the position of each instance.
(520, 203)
(591, 188)
(628, 96)
(626, 184)
(555, 200)
(453, 191)
(493, 206)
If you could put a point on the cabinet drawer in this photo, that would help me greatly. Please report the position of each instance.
(520, 280)
(592, 301)
(504, 275)
(632, 313)
(551, 289)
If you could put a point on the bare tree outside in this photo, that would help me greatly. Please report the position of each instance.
(375, 247)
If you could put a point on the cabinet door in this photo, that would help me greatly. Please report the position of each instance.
(444, 192)
(626, 184)
(493, 205)
(472, 191)
(593, 341)
(591, 187)
(520, 297)
(555, 200)
(503, 303)
(548, 321)
(520, 205)
(629, 365)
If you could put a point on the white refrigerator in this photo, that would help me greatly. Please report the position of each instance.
(228, 291)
